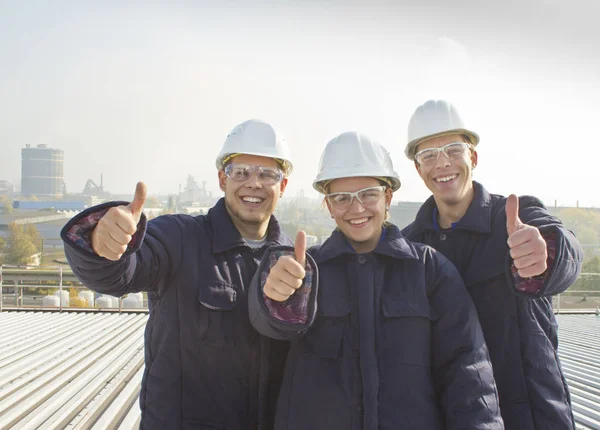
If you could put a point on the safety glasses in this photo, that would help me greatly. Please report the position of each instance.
(453, 151)
(366, 197)
(243, 172)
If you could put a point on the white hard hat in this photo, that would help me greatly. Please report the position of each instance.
(432, 119)
(256, 137)
(352, 154)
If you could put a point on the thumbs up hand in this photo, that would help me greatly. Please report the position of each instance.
(287, 274)
(527, 246)
(115, 229)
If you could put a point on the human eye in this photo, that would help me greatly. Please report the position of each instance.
(372, 194)
(269, 174)
(240, 172)
(428, 155)
(341, 198)
(455, 149)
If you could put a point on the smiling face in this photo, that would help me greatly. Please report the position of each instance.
(251, 203)
(450, 180)
(361, 225)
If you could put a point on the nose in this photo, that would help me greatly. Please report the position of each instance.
(253, 181)
(443, 160)
(356, 206)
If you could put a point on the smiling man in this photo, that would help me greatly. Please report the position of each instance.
(513, 256)
(206, 367)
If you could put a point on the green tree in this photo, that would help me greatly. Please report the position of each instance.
(6, 205)
(34, 236)
(2, 245)
(20, 248)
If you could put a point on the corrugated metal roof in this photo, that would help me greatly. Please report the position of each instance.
(77, 370)
(579, 350)
(70, 370)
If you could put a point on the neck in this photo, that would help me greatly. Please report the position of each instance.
(251, 231)
(450, 213)
(367, 246)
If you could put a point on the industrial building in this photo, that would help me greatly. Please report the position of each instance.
(42, 172)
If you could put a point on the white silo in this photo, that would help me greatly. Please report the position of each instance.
(51, 302)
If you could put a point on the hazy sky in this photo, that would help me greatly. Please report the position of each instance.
(149, 93)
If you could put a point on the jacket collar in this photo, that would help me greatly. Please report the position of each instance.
(393, 245)
(478, 217)
(226, 236)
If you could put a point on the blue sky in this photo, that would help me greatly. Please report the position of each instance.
(138, 92)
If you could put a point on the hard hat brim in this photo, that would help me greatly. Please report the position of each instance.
(318, 184)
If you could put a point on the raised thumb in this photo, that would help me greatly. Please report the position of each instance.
(139, 199)
(513, 222)
(300, 248)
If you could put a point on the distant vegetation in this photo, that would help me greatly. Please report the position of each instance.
(22, 244)
(585, 223)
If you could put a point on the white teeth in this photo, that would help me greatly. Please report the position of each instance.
(252, 199)
(358, 221)
(446, 178)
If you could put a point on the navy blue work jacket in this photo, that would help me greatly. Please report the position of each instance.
(520, 329)
(394, 343)
(206, 367)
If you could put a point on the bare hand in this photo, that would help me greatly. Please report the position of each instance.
(527, 246)
(116, 228)
(287, 274)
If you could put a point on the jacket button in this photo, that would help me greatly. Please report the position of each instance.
(359, 409)
(443, 236)
(362, 259)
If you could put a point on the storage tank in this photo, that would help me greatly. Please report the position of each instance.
(42, 172)
(65, 297)
(133, 301)
(88, 296)
(104, 302)
(51, 302)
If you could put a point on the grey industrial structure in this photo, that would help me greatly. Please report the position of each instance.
(42, 172)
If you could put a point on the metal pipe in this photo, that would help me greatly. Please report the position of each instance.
(60, 285)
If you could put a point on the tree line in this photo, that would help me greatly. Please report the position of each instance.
(21, 245)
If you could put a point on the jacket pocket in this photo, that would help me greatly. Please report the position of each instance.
(326, 335)
(217, 313)
(407, 331)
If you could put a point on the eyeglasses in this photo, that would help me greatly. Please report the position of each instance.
(366, 197)
(452, 151)
(243, 172)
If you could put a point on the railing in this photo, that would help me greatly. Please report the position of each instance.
(582, 297)
(50, 278)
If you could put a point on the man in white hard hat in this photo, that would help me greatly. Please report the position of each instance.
(206, 367)
(513, 256)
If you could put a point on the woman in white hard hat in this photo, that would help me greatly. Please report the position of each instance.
(383, 333)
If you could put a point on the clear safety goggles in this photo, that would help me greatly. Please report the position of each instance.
(367, 197)
(452, 151)
(243, 172)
